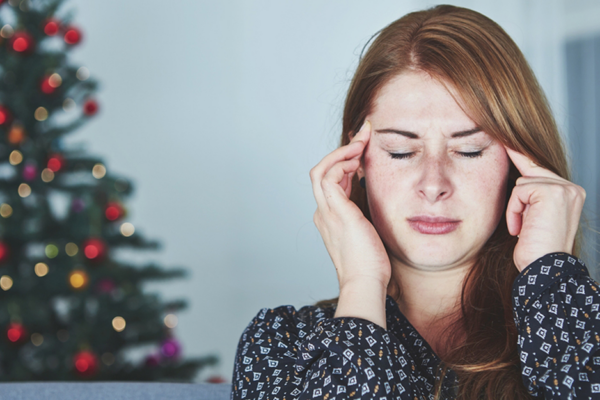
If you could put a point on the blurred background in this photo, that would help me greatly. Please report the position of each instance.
(218, 110)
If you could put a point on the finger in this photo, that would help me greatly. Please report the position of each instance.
(352, 150)
(527, 167)
(334, 194)
(525, 180)
(348, 152)
(517, 204)
(348, 187)
(363, 133)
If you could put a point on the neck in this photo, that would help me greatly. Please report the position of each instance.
(430, 299)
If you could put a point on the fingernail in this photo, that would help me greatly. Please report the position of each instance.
(366, 125)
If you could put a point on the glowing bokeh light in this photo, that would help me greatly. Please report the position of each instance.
(69, 104)
(24, 190)
(55, 80)
(99, 171)
(6, 282)
(118, 324)
(7, 31)
(127, 229)
(78, 279)
(171, 321)
(41, 269)
(41, 114)
(6, 210)
(51, 250)
(47, 175)
(37, 339)
(83, 73)
(71, 249)
(15, 157)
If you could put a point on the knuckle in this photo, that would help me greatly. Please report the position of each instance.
(313, 173)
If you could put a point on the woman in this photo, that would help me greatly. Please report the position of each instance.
(451, 222)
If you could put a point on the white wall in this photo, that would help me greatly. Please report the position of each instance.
(218, 110)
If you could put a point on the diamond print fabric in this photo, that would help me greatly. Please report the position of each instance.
(289, 354)
(556, 307)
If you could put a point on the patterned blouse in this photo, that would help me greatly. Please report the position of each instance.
(289, 354)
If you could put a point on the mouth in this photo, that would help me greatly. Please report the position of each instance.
(429, 225)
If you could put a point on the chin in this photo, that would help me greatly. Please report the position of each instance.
(434, 255)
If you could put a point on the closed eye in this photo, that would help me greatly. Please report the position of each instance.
(401, 156)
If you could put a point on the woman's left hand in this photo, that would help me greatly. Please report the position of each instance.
(543, 210)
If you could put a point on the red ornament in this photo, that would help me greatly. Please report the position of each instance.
(114, 211)
(85, 363)
(72, 36)
(4, 252)
(21, 42)
(94, 249)
(51, 27)
(16, 333)
(90, 107)
(5, 116)
(216, 379)
(29, 172)
(56, 162)
(152, 360)
(105, 285)
(47, 86)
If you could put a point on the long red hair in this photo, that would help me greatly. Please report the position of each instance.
(500, 93)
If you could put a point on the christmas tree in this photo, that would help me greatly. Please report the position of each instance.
(69, 308)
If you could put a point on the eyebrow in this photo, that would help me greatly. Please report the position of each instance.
(412, 135)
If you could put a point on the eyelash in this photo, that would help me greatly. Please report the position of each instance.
(401, 156)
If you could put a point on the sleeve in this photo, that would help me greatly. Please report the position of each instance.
(281, 356)
(556, 305)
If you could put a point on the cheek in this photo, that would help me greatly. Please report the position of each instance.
(486, 185)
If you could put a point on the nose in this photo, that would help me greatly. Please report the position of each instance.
(434, 183)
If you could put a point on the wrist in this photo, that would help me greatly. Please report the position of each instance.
(363, 298)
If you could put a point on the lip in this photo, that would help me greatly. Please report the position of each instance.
(431, 225)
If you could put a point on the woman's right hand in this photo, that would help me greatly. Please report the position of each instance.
(359, 256)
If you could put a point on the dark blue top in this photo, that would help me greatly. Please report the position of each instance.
(289, 354)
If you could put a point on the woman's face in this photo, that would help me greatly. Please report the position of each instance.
(427, 162)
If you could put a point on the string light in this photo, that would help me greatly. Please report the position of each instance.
(51, 251)
(15, 157)
(6, 282)
(108, 359)
(41, 269)
(24, 190)
(37, 339)
(41, 114)
(118, 324)
(83, 73)
(47, 175)
(171, 321)
(55, 80)
(127, 229)
(16, 134)
(71, 249)
(6, 210)
(78, 279)
(7, 31)
(69, 104)
(99, 171)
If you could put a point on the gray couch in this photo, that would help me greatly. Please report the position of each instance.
(114, 391)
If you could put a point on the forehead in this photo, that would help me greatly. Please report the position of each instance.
(415, 100)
